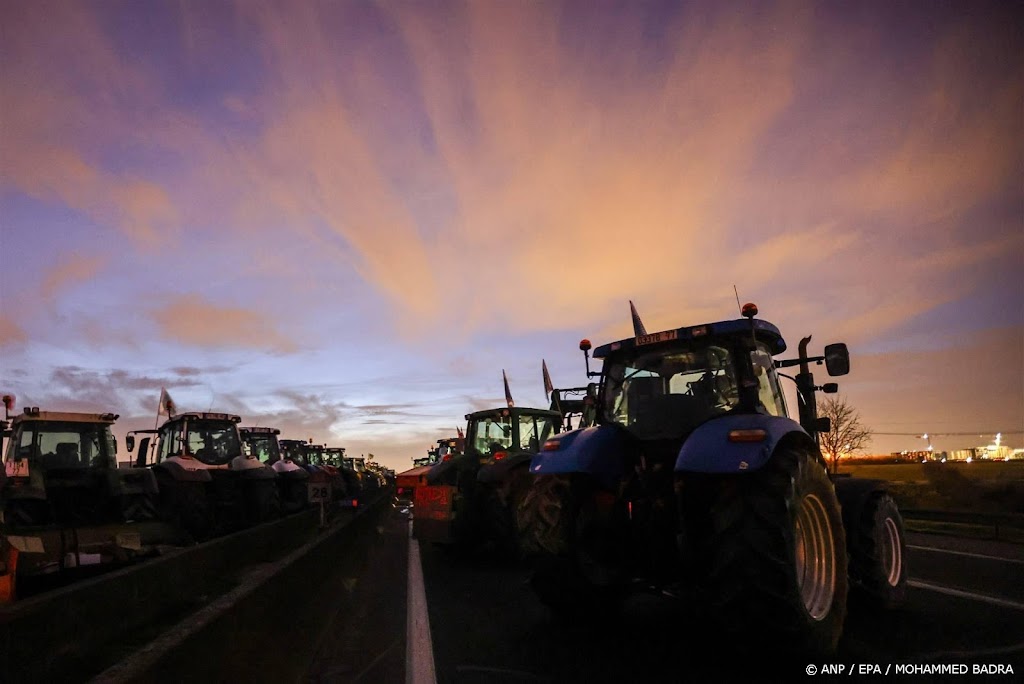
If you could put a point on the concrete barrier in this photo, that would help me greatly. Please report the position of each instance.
(74, 632)
(266, 629)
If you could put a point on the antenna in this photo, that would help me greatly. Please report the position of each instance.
(737, 293)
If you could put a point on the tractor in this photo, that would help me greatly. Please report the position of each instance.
(208, 486)
(695, 483)
(292, 479)
(349, 498)
(67, 510)
(471, 499)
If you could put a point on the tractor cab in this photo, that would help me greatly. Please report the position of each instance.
(472, 497)
(62, 467)
(261, 443)
(208, 484)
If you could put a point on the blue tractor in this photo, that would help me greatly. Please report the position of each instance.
(696, 482)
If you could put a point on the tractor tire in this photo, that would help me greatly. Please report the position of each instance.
(877, 548)
(578, 566)
(775, 564)
(186, 506)
(503, 512)
(264, 501)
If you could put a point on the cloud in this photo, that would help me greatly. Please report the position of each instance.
(10, 332)
(193, 320)
(73, 270)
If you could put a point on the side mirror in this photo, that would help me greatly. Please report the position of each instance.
(823, 424)
(837, 359)
(830, 387)
(129, 442)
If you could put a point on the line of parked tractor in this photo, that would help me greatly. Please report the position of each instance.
(683, 475)
(69, 509)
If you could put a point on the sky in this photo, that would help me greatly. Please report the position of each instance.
(344, 219)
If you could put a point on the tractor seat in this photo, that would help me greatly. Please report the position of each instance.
(64, 456)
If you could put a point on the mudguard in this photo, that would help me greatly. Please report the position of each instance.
(597, 451)
(125, 481)
(708, 449)
(181, 474)
(497, 471)
(255, 474)
(853, 493)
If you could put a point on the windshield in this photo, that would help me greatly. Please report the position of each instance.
(214, 442)
(261, 446)
(522, 432)
(668, 392)
(63, 445)
(534, 431)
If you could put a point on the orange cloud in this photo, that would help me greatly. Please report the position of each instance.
(191, 319)
(74, 269)
(10, 332)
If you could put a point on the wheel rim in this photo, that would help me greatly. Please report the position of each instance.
(815, 557)
(892, 553)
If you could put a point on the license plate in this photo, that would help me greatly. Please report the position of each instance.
(663, 336)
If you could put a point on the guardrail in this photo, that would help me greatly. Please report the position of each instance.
(1001, 526)
(71, 633)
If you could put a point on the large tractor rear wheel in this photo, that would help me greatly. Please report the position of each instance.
(578, 557)
(776, 563)
(877, 546)
(185, 505)
(264, 501)
(503, 504)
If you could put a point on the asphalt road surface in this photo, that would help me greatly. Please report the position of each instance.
(965, 608)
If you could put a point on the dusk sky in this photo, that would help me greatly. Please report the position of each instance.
(344, 219)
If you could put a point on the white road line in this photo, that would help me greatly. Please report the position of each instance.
(419, 649)
(994, 600)
(965, 553)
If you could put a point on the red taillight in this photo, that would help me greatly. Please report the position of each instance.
(747, 435)
(500, 455)
(552, 445)
(446, 457)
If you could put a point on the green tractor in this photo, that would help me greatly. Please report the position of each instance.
(471, 499)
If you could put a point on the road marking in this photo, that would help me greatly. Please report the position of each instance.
(965, 553)
(994, 600)
(419, 648)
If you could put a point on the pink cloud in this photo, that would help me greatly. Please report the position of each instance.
(72, 270)
(193, 320)
(10, 332)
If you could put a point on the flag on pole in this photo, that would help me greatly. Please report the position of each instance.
(508, 393)
(638, 325)
(166, 407)
(548, 387)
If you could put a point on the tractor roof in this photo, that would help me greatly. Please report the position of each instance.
(64, 417)
(513, 410)
(205, 416)
(765, 332)
(260, 430)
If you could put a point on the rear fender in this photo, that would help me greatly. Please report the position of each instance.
(599, 451)
(498, 471)
(853, 493)
(124, 481)
(181, 474)
(708, 449)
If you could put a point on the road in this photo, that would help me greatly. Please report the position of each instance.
(965, 605)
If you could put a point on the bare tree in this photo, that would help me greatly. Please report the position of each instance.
(847, 435)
